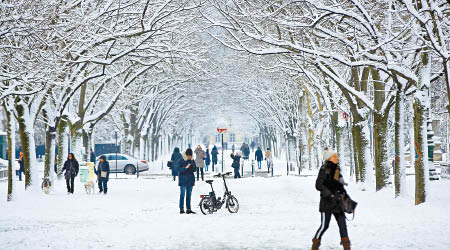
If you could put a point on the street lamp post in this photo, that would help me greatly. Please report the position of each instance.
(115, 133)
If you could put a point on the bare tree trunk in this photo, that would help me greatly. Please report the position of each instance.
(63, 146)
(399, 168)
(11, 133)
(26, 134)
(421, 109)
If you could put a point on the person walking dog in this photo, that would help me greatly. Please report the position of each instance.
(186, 181)
(71, 167)
(102, 172)
(331, 185)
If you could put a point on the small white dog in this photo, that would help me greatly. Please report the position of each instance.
(90, 187)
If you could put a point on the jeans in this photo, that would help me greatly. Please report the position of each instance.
(207, 166)
(103, 185)
(19, 173)
(70, 184)
(185, 190)
(325, 223)
(198, 172)
(236, 173)
(259, 164)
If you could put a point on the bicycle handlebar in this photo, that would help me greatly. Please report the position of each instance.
(223, 174)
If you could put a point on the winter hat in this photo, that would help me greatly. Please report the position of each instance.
(327, 153)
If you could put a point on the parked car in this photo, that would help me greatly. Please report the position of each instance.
(125, 163)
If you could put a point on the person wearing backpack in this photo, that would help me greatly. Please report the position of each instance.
(71, 167)
(102, 173)
(175, 162)
(331, 185)
(236, 164)
(186, 181)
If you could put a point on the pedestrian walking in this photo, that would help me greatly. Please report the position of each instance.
(175, 162)
(186, 181)
(21, 166)
(246, 152)
(208, 159)
(236, 164)
(269, 159)
(92, 156)
(253, 145)
(102, 173)
(331, 185)
(232, 148)
(259, 157)
(200, 156)
(71, 167)
(214, 153)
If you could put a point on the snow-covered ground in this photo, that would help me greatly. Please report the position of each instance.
(276, 213)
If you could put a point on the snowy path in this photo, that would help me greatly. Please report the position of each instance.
(276, 213)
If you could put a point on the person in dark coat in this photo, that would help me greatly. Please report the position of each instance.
(246, 152)
(186, 181)
(93, 156)
(236, 165)
(253, 145)
(330, 184)
(102, 173)
(214, 153)
(176, 160)
(259, 157)
(208, 159)
(21, 166)
(71, 167)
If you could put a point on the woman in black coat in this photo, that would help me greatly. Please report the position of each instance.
(330, 184)
(71, 167)
(102, 172)
(176, 160)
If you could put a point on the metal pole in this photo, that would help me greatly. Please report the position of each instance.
(137, 170)
(222, 152)
(116, 153)
(242, 168)
(271, 165)
(253, 168)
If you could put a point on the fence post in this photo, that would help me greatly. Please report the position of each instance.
(271, 165)
(137, 170)
(253, 168)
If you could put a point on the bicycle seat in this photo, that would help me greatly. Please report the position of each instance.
(209, 181)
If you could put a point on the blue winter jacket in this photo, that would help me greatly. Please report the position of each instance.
(259, 155)
(186, 175)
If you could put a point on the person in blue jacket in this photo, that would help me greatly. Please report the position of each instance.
(176, 160)
(186, 181)
(102, 172)
(214, 153)
(236, 164)
(259, 157)
(208, 159)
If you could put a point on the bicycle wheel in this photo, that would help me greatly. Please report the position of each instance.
(206, 206)
(232, 205)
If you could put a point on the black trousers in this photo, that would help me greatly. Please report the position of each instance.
(69, 183)
(325, 223)
(200, 170)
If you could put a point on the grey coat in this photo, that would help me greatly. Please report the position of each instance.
(200, 154)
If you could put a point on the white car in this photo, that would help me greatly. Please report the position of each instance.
(125, 163)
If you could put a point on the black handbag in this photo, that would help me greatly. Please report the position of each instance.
(170, 164)
(347, 204)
